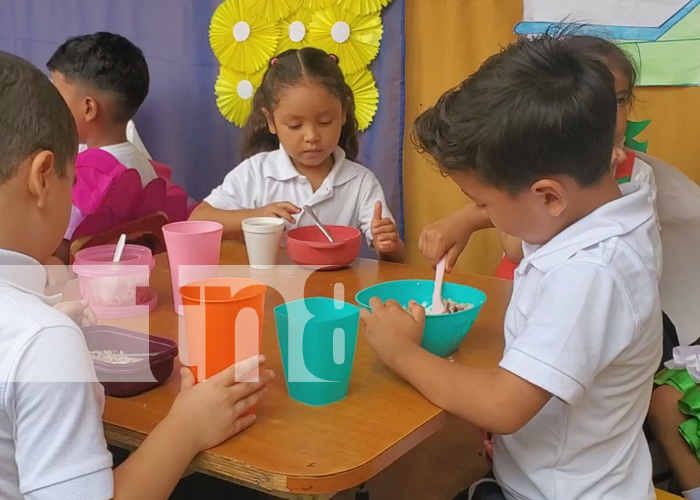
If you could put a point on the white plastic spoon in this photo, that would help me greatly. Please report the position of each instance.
(120, 248)
(438, 308)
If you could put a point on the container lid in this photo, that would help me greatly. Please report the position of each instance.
(103, 337)
(97, 261)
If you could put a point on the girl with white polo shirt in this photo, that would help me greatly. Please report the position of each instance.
(301, 140)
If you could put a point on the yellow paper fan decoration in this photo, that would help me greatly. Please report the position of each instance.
(314, 5)
(271, 10)
(241, 41)
(294, 30)
(234, 94)
(354, 39)
(363, 7)
(366, 94)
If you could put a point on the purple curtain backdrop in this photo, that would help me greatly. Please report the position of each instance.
(180, 123)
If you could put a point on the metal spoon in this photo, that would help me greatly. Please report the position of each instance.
(312, 216)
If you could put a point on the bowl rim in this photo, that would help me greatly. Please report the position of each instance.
(476, 307)
(356, 232)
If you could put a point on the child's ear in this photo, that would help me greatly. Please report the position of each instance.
(90, 108)
(551, 195)
(270, 121)
(41, 171)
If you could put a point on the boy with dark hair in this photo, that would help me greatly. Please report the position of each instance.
(529, 138)
(104, 79)
(52, 443)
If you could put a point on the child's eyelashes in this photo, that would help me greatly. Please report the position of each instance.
(320, 124)
(480, 207)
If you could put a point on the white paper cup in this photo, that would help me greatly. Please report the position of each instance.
(262, 240)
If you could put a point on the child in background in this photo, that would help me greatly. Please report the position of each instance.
(301, 140)
(528, 138)
(52, 443)
(450, 235)
(104, 79)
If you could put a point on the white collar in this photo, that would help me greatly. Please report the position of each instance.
(26, 274)
(280, 167)
(615, 218)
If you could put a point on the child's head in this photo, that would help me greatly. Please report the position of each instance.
(623, 68)
(304, 104)
(528, 137)
(38, 147)
(104, 79)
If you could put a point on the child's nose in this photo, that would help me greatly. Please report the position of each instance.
(311, 135)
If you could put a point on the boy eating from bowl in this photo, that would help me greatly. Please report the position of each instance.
(52, 443)
(529, 138)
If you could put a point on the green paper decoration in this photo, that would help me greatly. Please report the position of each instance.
(632, 131)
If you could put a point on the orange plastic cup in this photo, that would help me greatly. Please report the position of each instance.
(223, 323)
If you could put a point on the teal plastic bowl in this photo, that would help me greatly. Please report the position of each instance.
(443, 332)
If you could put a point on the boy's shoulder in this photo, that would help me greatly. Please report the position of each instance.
(31, 330)
(27, 320)
(620, 238)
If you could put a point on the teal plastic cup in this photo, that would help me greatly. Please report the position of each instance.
(443, 333)
(317, 338)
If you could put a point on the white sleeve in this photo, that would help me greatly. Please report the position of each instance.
(237, 192)
(370, 193)
(582, 320)
(56, 405)
(644, 173)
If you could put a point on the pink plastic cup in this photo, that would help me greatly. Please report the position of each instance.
(192, 243)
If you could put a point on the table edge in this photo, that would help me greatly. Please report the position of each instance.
(264, 480)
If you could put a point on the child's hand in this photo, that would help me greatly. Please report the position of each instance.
(618, 157)
(283, 210)
(211, 411)
(79, 311)
(384, 232)
(389, 328)
(448, 236)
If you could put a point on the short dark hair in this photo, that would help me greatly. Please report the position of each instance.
(33, 118)
(290, 68)
(538, 108)
(108, 63)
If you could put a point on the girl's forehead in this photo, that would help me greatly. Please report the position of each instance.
(306, 99)
(622, 83)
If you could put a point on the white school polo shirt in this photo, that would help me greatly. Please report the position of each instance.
(584, 323)
(346, 197)
(52, 443)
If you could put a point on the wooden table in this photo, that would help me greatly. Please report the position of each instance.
(297, 451)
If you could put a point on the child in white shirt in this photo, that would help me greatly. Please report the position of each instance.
(52, 443)
(529, 138)
(301, 140)
(104, 79)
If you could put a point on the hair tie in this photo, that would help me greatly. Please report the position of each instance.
(334, 57)
(274, 61)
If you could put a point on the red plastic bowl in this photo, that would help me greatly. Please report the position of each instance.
(308, 247)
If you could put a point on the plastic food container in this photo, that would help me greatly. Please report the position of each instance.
(116, 289)
(308, 247)
(156, 359)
